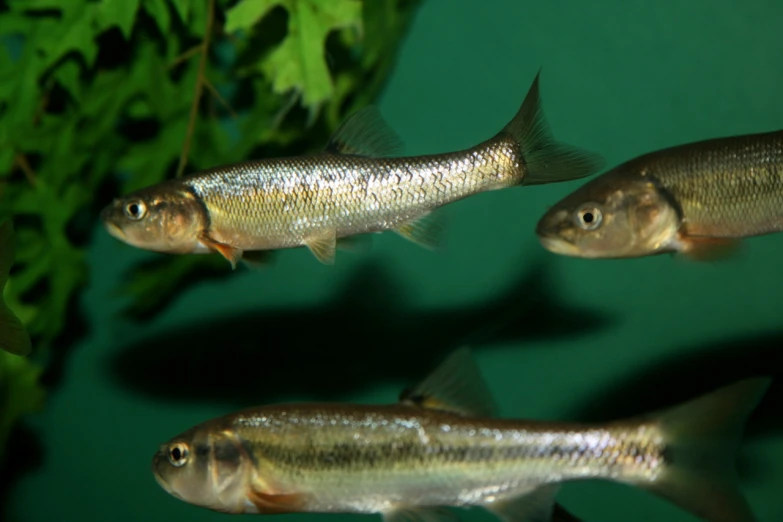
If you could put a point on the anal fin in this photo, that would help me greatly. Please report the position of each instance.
(357, 244)
(323, 246)
(537, 505)
(425, 231)
(420, 514)
(232, 255)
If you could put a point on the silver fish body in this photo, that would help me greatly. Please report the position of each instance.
(359, 184)
(442, 445)
(370, 459)
(282, 203)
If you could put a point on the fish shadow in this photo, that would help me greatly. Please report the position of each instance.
(365, 335)
(695, 372)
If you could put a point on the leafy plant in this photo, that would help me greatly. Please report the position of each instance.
(101, 97)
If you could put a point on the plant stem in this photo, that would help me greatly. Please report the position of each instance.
(29, 173)
(200, 79)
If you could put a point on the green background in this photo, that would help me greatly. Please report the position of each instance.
(556, 338)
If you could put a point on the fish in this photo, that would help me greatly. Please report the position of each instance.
(443, 445)
(358, 185)
(14, 338)
(697, 200)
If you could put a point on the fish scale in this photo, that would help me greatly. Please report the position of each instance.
(269, 205)
(727, 187)
(340, 451)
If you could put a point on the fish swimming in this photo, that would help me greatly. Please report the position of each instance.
(13, 335)
(442, 445)
(698, 199)
(355, 186)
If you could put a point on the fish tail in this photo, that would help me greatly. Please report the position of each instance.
(544, 159)
(702, 438)
(13, 336)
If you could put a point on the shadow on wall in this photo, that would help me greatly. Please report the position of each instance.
(697, 371)
(364, 335)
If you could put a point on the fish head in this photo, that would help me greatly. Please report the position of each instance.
(617, 215)
(165, 218)
(206, 468)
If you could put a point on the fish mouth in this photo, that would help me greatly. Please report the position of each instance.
(166, 486)
(558, 245)
(156, 459)
(162, 482)
(114, 229)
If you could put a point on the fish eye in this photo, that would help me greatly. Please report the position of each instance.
(135, 210)
(589, 217)
(178, 454)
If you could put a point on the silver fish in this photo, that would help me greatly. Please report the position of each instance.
(443, 445)
(355, 186)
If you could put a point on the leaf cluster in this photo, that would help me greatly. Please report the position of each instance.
(101, 97)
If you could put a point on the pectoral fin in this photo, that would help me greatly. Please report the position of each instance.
(708, 248)
(232, 255)
(323, 246)
(269, 503)
(538, 505)
(428, 514)
(456, 385)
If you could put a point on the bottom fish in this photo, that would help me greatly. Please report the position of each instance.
(442, 445)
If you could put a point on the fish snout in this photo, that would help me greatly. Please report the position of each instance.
(110, 217)
(109, 211)
(552, 224)
(555, 232)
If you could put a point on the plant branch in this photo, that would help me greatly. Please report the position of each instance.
(200, 80)
(21, 161)
(187, 54)
(219, 98)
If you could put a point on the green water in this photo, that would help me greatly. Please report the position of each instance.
(556, 338)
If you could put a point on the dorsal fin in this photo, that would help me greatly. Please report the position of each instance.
(456, 386)
(365, 133)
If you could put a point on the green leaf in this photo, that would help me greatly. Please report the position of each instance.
(24, 93)
(67, 74)
(120, 13)
(298, 63)
(183, 9)
(15, 23)
(20, 392)
(6, 160)
(247, 13)
(76, 32)
(159, 11)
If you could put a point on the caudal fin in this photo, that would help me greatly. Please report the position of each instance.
(545, 159)
(13, 336)
(702, 438)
